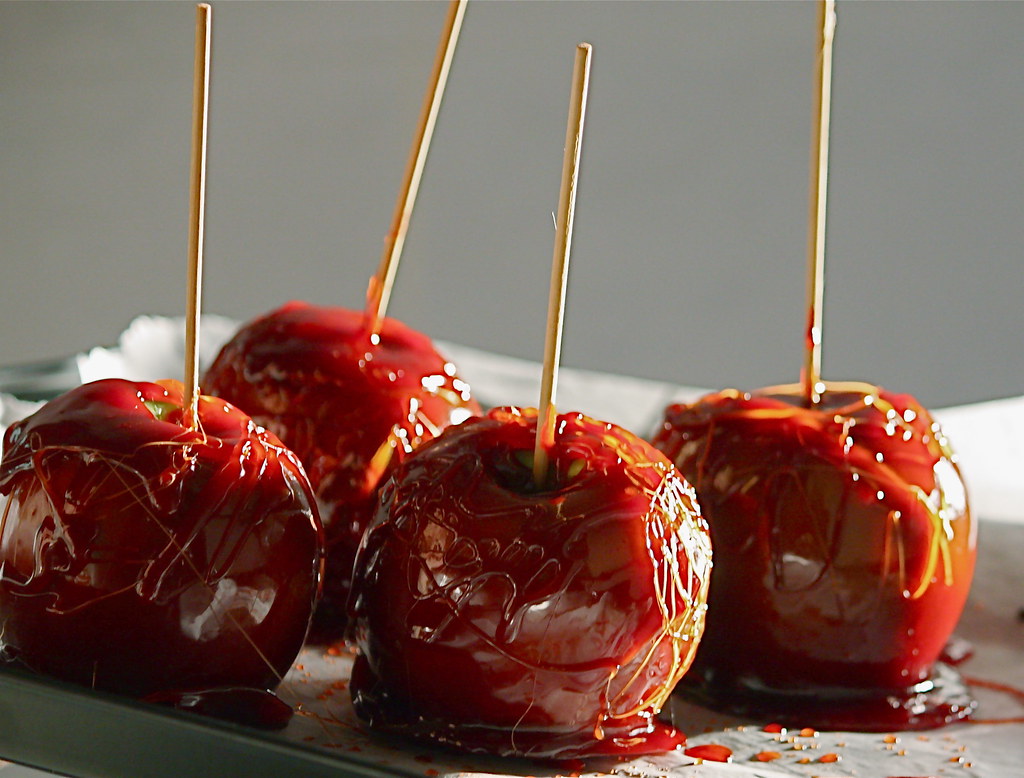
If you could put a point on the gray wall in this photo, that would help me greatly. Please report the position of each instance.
(689, 250)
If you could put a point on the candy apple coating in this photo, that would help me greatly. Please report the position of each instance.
(139, 556)
(497, 617)
(844, 551)
(349, 404)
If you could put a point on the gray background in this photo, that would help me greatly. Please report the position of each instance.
(689, 251)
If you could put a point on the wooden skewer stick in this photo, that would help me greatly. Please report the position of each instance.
(379, 293)
(197, 203)
(560, 261)
(810, 376)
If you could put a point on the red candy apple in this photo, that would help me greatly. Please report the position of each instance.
(844, 550)
(349, 405)
(140, 556)
(498, 617)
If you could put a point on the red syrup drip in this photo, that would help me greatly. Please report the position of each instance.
(710, 752)
(249, 707)
(844, 552)
(572, 766)
(567, 613)
(351, 409)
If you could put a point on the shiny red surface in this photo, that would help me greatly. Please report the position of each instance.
(349, 408)
(844, 549)
(496, 617)
(140, 556)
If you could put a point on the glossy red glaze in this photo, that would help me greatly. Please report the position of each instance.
(349, 408)
(844, 551)
(140, 556)
(553, 623)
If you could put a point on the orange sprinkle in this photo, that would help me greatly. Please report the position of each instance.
(339, 649)
(805, 760)
(808, 732)
(767, 756)
(890, 739)
(829, 758)
(777, 729)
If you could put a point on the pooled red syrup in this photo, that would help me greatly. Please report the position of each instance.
(844, 550)
(493, 616)
(241, 705)
(710, 752)
(139, 556)
(1002, 688)
(350, 407)
(956, 651)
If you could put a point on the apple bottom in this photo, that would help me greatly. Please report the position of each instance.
(844, 647)
(628, 737)
(128, 645)
(214, 589)
(850, 650)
